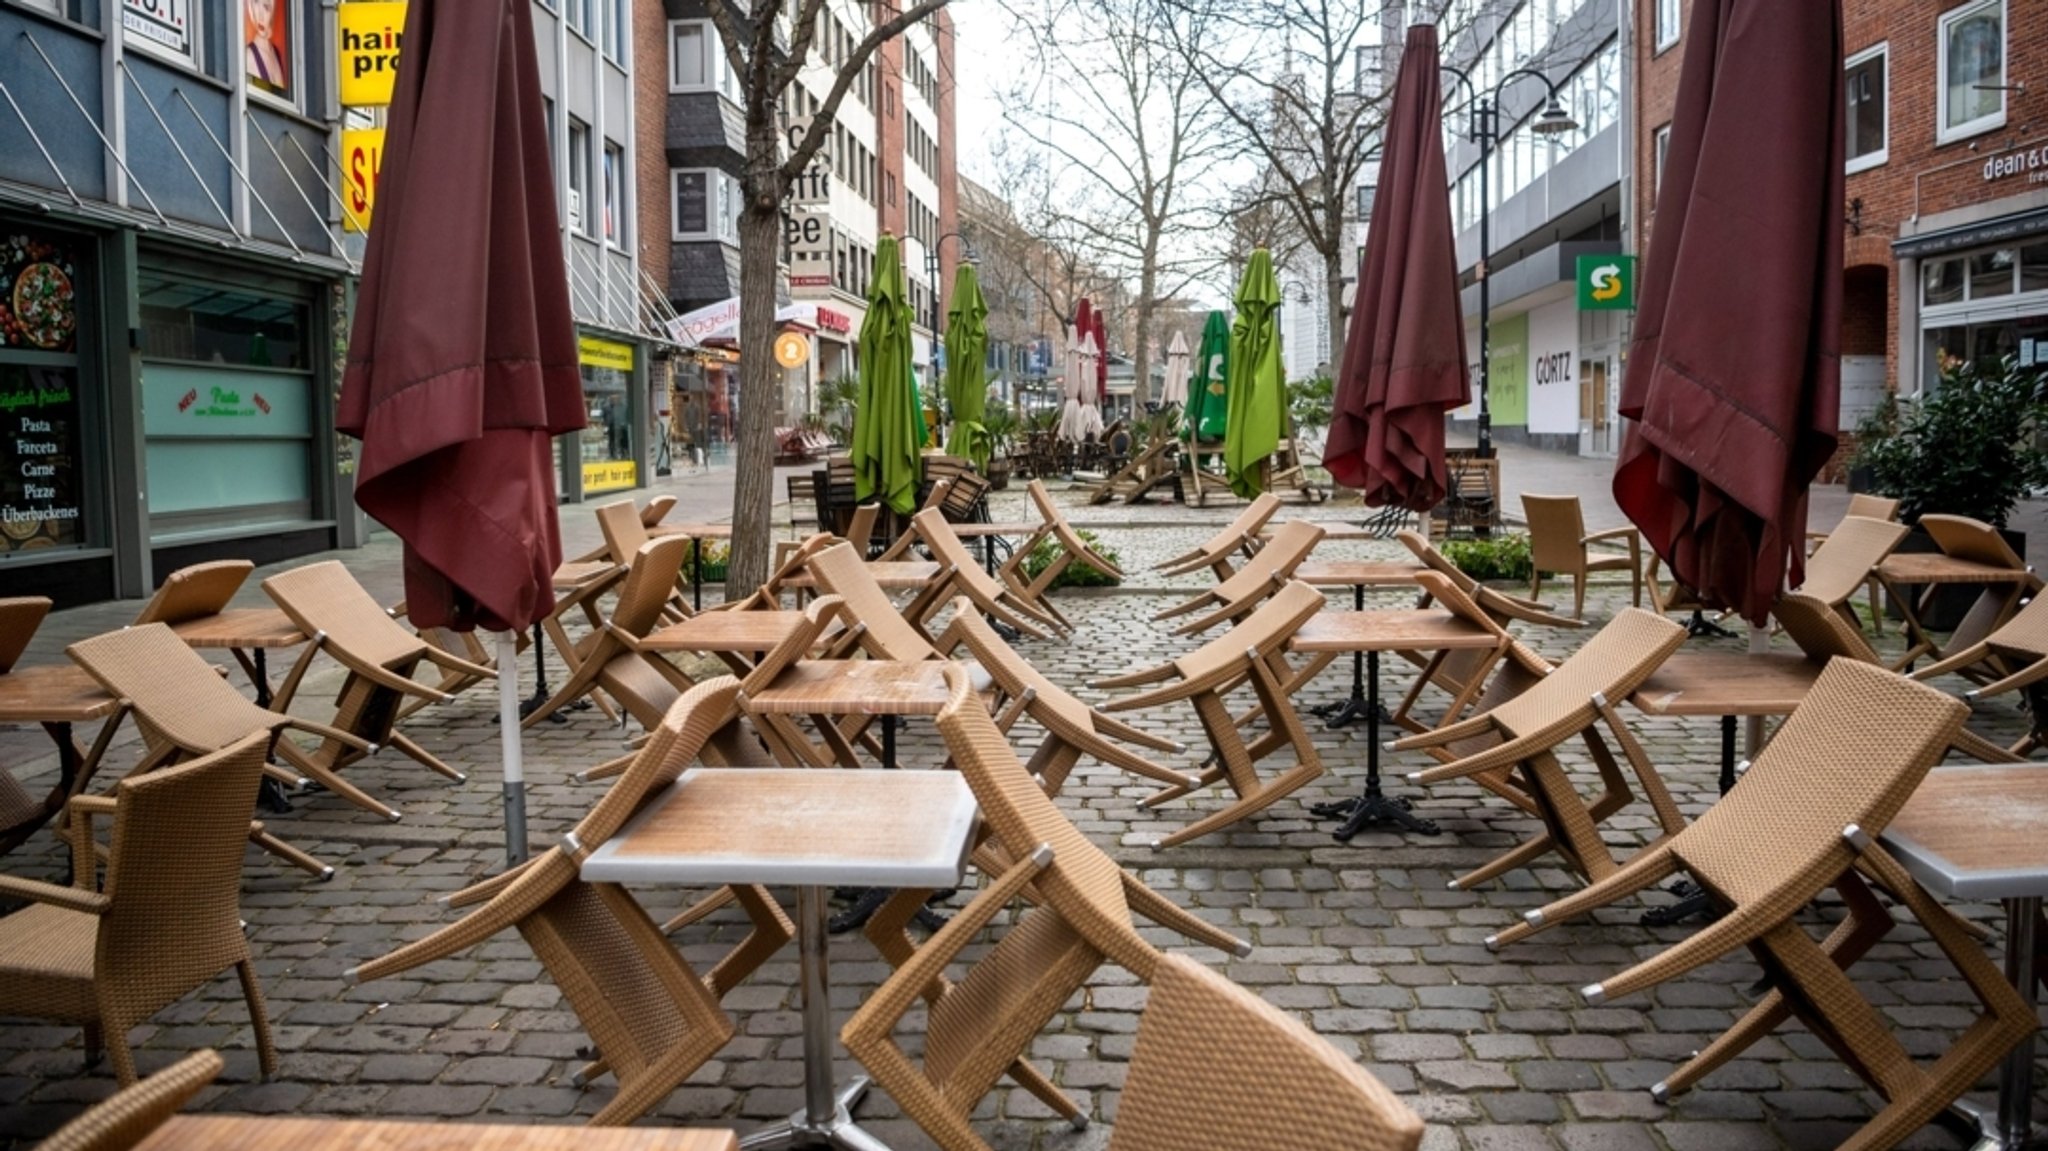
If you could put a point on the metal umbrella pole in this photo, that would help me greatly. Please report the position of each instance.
(511, 749)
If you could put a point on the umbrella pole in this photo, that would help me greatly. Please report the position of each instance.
(509, 742)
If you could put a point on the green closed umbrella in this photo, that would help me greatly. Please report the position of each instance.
(887, 425)
(1258, 384)
(966, 370)
(1207, 414)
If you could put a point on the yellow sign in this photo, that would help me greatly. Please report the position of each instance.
(792, 349)
(610, 476)
(367, 51)
(592, 352)
(362, 157)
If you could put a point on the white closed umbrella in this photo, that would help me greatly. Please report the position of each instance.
(1175, 389)
(1078, 383)
(1091, 414)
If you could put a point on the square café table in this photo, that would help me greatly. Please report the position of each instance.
(1974, 833)
(812, 830)
(262, 1133)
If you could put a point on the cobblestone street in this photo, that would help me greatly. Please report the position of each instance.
(1362, 940)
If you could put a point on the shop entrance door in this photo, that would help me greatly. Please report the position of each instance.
(1599, 396)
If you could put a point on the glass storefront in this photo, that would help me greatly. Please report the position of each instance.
(607, 456)
(1984, 306)
(43, 474)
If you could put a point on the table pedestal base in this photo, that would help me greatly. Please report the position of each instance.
(1374, 808)
(800, 1130)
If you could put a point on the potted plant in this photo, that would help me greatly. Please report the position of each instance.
(999, 422)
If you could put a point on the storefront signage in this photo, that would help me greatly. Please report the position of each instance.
(362, 160)
(692, 328)
(368, 36)
(592, 352)
(810, 247)
(2029, 162)
(832, 321)
(39, 497)
(1553, 357)
(1607, 283)
(164, 23)
(191, 400)
(1507, 376)
(814, 186)
(610, 475)
(792, 349)
(38, 300)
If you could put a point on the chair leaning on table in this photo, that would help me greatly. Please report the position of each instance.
(1575, 699)
(991, 596)
(127, 1117)
(609, 658)
(2013, 658)
(1072, 549)
(167, 920)
(653, 1019)
(1253, 652)
(1558, 542)
(1239, 539)
(981, 1027)
(1864, 505)
(21, 814)
(1806, 818)
(1250, 585)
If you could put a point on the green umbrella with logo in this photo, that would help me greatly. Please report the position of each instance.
(1206, 416)
(887, 425)
(1258, 384)
(966, 369)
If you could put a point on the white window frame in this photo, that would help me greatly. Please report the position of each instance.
(294, 98)
(1670, 14)
(1884, 150)
(578, 182)
(1943, 134)
(616, 218)
(195, 42)
(718, 75)
(721, 207)
(1660, 147)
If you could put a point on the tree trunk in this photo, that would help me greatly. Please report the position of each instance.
(753, 494)
(1333, 280)
(1141, 356)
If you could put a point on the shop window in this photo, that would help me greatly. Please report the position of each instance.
(1864, 94)
(1941, 281)
(42, 475)
(614, 180)
(1667, 23)
(2034, 267)
(1970, 93)
(579, 176)
(1991, 273)
(270, 50)
(607, 456)
(166, 29)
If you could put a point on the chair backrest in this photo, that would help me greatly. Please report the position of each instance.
(1873, 507)
(1274, 563)
(1555, 528)
(195, 592)
(649, 582)
(1217, 1067)
(324, 598)
(174, 874)
(1069, 538)
(656, 508)
(800, 488)
(20, 616)
(795, 647)
(1248, 523)
(1010, 670)
(1264, 629)
(840, 571)
(1839, 567)
(177, 697)
(624, 534)
(1613, 663)
(951, 551)
(672, 747)
(1851, 754)
(860, 527)
(1968, 539)
(2026, 633)
(127, 1117)
(1435, 560)
(1819, 630)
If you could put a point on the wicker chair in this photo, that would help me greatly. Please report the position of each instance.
(1863, 505)
(1558, 542)
(1240, 539)
(1253, 652)
(1806, 818)
(1842, 565)
(1072, 728)
(875, 625)
(22, 815)
(195, 592)
(653, 1019)
(167, 921)
(990, 595)
(981, 1027)
(184, 710)
(1249, 586)
(610, 659)
(380, 656)
(1575, 699)
(1187, 1085)
(127, 1117)
(1072, 549)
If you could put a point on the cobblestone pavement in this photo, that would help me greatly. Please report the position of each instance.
(1361, 940)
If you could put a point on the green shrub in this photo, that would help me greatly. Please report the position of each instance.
(716, 556)
(1969, 446)
(1504, 557)
(1080, 573)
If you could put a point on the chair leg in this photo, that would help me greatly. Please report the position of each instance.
(123, 1059)
(259, 1018)
(332, 780)
(285, 851)
(1579, 595)
(95, 1045)
(427, 759)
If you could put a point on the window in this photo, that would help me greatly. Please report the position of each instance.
(615, 28)
(696, 60)
(1663, 148)
(577, 12)
(1667, 23)
(164, 28)
(1970, 90)
(579, 175)
(1366, 195)
(614, 208)
(1864, 86)
(705, 205)
(270, 50)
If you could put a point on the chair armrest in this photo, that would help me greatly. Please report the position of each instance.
(69, 898)
(1628, 533)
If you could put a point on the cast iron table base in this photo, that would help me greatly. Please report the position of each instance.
(1373, 806)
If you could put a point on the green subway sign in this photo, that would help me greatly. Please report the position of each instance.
(1607, 283)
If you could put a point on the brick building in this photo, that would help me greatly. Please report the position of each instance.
(1946, 248)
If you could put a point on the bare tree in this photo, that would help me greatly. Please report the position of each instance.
(752, 34)
(1128, 134)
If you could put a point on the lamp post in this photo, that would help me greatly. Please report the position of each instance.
(1552, 121)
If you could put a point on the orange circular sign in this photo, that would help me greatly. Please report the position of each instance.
(792, 349)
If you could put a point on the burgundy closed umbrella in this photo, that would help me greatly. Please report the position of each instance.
(1404, 354)
(462, 362)
(1101, 359)
(1734, 377)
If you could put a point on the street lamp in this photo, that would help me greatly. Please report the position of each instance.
(931, 268)
(1552, 121)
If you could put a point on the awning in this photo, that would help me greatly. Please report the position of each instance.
(720, 322)
(1977, 235)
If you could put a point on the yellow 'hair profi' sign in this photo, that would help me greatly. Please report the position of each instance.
(366, 47)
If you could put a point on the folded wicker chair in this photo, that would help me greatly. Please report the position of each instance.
(380, 655)
(1240, 539)
(127, 1117)
(991, 596)
(167, 921)
(1495, 602)
(899, 548)
(1866, 506)
(1559, 542)
(1072, 549)
(1575, 699)
(653, 1019)
(22, 815)
(1248, 587)
(609, 659)
(1072, 728)
(875, 625)
(195, 592)
(1843, 563)
(1805, 818)
(625, 535)
(981, 1027)
(184, 710)
(1187, 1085)
(1253, 652)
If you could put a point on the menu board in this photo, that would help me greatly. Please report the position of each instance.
(39, 465)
